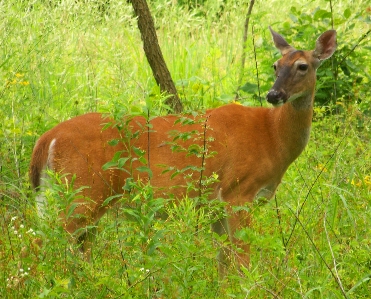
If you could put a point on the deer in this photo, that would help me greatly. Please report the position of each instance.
(252, 149)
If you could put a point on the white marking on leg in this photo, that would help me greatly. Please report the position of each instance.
(40, 198)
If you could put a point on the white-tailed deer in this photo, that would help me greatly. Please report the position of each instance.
(253, 146)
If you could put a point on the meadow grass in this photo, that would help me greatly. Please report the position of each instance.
(67, 58)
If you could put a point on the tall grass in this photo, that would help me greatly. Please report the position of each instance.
(67, 58)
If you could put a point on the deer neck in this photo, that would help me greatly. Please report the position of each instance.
(292, 124)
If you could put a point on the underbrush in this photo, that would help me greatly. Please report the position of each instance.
(67, 58)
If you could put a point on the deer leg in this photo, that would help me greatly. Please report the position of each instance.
(81, 225)
(221, 228)
(86, 240)
(240, 220)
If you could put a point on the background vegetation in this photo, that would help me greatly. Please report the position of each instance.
(64, 58)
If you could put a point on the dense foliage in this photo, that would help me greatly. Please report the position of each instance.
(59, 59)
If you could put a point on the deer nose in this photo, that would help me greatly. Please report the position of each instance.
(276, 96)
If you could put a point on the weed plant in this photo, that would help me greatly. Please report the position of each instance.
(65, 58)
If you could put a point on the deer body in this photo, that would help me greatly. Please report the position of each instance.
(254, 146)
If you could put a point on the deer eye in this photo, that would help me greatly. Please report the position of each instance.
(303, 67)
(274, 67)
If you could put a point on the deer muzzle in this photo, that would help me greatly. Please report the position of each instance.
(276, 97)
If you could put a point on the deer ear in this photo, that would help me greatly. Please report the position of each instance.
(280, 43)
(325, 45)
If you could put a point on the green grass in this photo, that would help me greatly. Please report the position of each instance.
(62, 60)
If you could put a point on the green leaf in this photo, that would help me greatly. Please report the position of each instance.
(128, 184)
(145, 169)
(44, 293)
(139, 152)
(113, 142)
(249, 87)
(226, 98)
(176, 172)
(122, 161)
(347, 13)
(321, 14)
(71, 209)
(108, 165)
(194, 149)
(143, 160)
(109, 199)
(116, 156)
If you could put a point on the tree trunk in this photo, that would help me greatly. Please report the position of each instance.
(243, 57)
(154, 54)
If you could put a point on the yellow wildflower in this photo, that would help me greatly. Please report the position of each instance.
(367, 180)
(321, 167)
(357, 183)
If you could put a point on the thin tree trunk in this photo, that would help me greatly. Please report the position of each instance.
(243, 58)
(154, 54)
